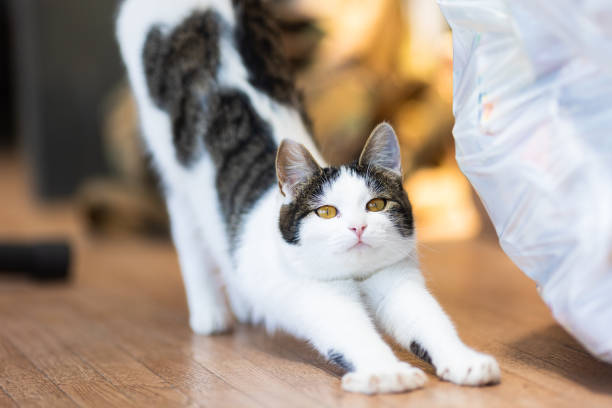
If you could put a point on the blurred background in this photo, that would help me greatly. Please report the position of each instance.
(69, 135)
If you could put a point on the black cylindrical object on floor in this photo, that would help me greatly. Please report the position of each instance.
(41, 261)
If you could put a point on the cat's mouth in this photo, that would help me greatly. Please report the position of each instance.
(359, 245)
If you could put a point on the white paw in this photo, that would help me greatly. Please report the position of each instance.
(210, 321)
(397, 378)
(470, 368)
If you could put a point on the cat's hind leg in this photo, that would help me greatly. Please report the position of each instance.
(409, 313)
(208, 312)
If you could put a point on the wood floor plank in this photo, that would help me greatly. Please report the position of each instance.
(227, 364)
(99, 348)
(179, 367)
(77, 379)
(6, 400)
(169, 361)
(23, 383)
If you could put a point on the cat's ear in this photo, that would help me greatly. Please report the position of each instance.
(294, 165)
(382, 149)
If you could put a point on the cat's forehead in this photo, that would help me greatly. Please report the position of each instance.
(349, 185)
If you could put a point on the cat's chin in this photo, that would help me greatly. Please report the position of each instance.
(359, 263)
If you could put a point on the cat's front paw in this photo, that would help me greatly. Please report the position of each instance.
(213, 320)
(470, 368)
(397, 378)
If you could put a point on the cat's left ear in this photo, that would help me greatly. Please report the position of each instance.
(382, 149)
(294, 166)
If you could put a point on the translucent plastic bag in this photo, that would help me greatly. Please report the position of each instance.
(533, 133)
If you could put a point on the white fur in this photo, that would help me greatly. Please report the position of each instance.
(314, 290)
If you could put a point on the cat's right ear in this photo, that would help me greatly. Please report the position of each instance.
(294, 165)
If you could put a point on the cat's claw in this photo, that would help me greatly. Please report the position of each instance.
(470, 368)
(397, 378)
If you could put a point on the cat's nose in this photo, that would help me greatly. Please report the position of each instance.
(358, 230)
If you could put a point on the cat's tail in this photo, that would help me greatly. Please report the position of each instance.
(137, 18)
(171, 50)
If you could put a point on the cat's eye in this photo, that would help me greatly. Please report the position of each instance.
(326, 211)
(376, 204)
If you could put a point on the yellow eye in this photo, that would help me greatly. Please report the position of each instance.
(327, 211)
(376, 204)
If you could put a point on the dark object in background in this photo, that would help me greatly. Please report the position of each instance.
(66, 62)
(44, 261)
(7, 134)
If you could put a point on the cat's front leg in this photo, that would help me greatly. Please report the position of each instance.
(333, 319)
(410, 314)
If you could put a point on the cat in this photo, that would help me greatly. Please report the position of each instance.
(325, 253)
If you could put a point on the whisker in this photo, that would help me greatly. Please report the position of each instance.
(428, 247)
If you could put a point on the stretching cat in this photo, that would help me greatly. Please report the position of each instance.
(324, 253)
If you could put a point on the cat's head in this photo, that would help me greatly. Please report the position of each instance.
(348, 221)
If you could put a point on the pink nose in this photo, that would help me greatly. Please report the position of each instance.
(358, 230)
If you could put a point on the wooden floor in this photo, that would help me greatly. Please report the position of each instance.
(117, 335)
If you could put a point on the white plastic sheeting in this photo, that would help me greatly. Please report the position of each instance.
(533, 133)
